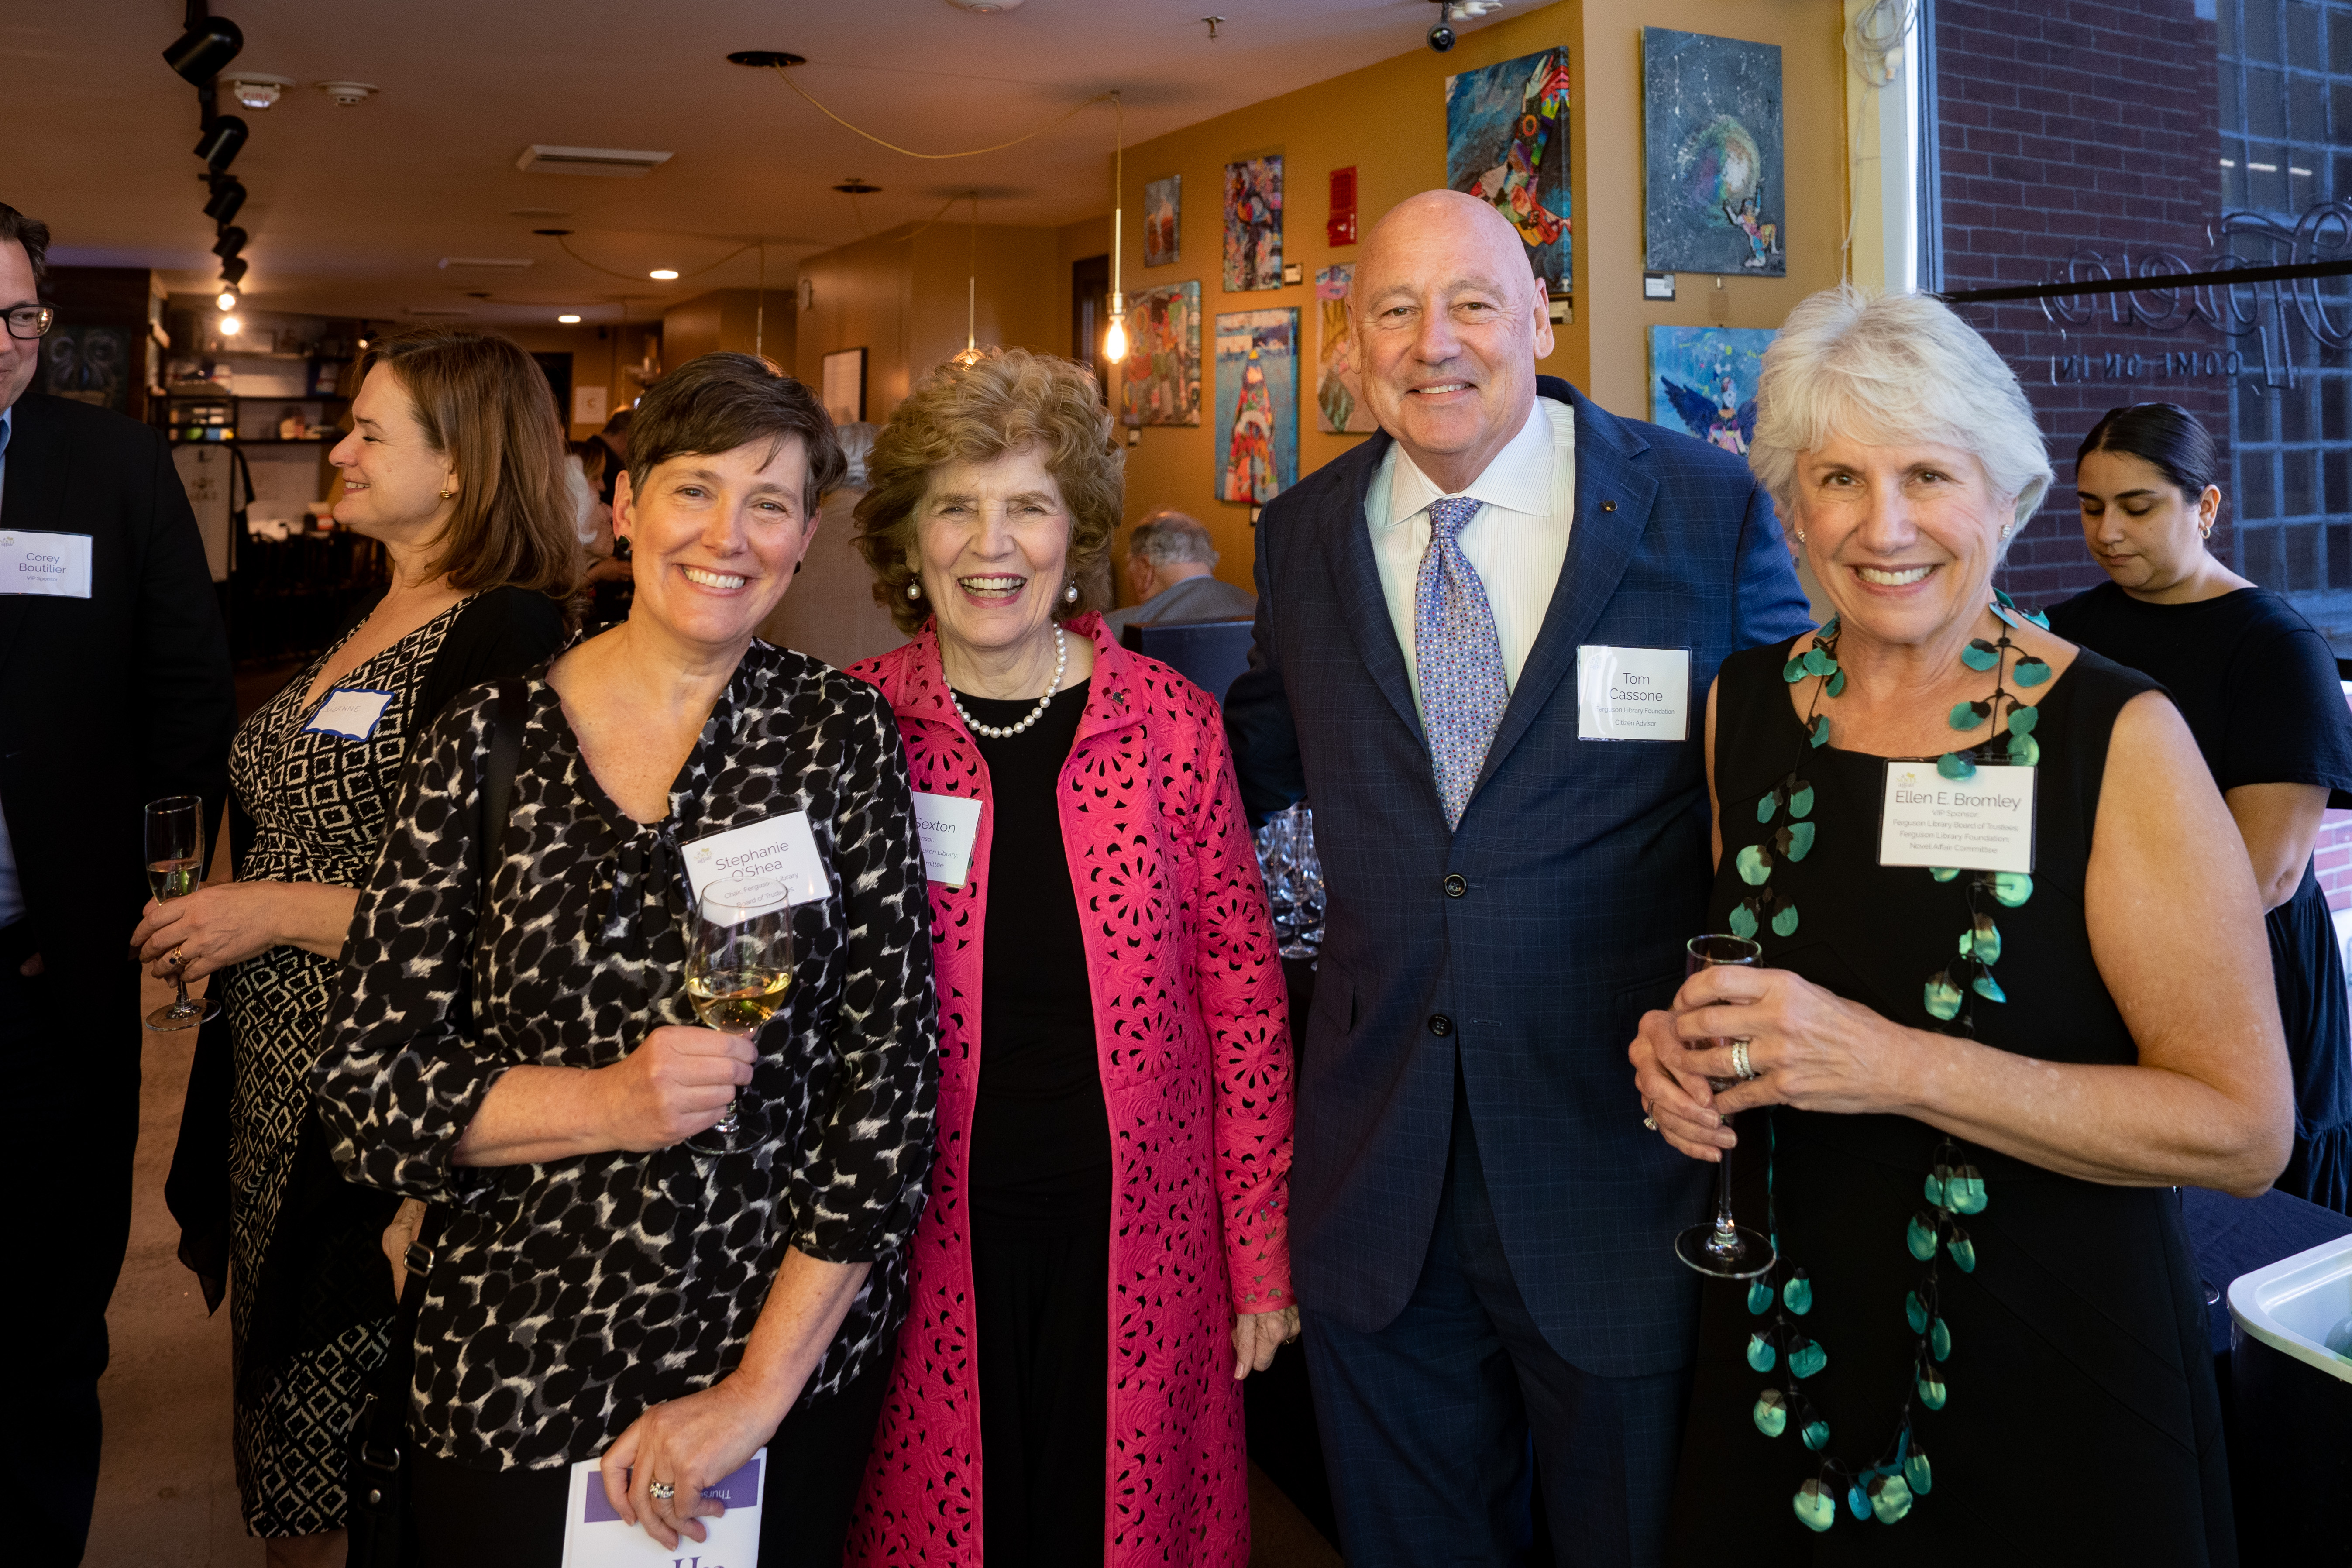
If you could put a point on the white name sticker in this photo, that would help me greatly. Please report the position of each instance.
(1981, 824)
(1632, 693)
(773, 864)
(351, 712)
(949, 825)
(596, 1537)
(55, 565)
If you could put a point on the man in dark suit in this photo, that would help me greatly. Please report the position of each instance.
(114, 690)
(1483, 644)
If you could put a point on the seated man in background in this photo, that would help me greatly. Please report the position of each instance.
(1170, 568)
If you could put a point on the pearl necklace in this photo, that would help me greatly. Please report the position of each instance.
(995, 733)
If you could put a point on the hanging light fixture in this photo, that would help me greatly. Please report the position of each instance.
(1115, 339)
(971, 355)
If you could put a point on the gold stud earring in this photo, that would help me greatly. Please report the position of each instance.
(448, 495)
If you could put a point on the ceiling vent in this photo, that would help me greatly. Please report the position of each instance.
(503, 263)
(439, 312)
(610, 162)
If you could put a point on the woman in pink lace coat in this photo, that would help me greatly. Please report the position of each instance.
(1105, 1255)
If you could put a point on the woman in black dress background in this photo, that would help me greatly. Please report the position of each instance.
(2258, 685)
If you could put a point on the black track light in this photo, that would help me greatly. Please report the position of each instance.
(227, 197)
(233, 270)
(221, 143)
(204, 49)
(229, 241)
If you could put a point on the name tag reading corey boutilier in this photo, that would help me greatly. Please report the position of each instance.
(1981, 824)
(949, 825)
(53, 566)
(1632, 693)
(768, 865)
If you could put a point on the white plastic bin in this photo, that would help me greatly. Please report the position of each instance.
(2290, 1382)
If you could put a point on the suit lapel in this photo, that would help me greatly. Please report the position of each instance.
(35, 496)
(1347, 546)
(1613, 497)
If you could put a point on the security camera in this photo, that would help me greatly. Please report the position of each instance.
(1441, 37)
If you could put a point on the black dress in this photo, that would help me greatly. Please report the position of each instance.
(2258, 687)
(1041, 1166)
(2082, 1422)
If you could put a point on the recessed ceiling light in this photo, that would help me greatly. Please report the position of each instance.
(763, 59)
(663, 274)
(568, 321)
(984, 7)
(853, 187)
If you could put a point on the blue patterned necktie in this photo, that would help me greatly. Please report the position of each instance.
(1457, 656)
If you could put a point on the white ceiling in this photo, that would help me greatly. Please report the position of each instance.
(351, 209)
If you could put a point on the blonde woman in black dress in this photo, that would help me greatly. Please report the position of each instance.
(454, 464)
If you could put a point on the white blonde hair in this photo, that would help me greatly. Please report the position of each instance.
(1887, 369)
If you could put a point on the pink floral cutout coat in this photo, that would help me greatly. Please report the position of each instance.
(1192, 1030)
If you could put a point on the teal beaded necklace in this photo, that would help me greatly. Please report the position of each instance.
(1899, 1474)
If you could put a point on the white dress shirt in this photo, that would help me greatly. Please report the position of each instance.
(1516, 543)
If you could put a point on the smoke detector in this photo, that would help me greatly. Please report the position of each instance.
(256, 90)
(348, 94)
(611, 163)
(986, 7)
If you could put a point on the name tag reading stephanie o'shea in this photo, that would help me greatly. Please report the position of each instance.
(949, 825)
(1632, 693)
(1981, 824)
(350, 711)
(771, 863)
(56, 565)
(595, 1537)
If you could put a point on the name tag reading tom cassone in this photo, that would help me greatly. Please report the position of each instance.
(54, 565)
(949, 825)
(768, 864)
(1632, 693)
(1981, 824)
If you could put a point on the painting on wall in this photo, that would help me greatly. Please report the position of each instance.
(1161, 381)
(845, 386)
(1256, 452)
(1254, 225)
(1703, 380)
(1163, 221)
(1338, 409)
(1711, 154)
(1506, 144)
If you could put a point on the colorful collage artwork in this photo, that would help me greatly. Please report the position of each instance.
(1257, 404)
(1506, 142)
(1163, 220)
(1703, 380)
(1338, 409)
(1711, 154)
(1160, 382)
(1254, 225)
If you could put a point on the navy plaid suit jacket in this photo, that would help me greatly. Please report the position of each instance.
(1586, 867)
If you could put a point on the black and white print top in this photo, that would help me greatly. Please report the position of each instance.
(564, 1299)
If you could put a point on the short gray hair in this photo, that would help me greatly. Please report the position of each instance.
(1888, 368)
(1168, 536)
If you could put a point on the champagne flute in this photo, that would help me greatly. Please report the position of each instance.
(738, 969)
(1723, 1248)
(176, 868)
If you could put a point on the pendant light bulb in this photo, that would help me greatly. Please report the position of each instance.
(1115, 340)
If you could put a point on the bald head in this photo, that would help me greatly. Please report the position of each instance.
(1449, 323)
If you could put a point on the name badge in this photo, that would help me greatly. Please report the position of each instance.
(595, 1537)
(1981, 824)
(54, 565)
(949, 825)
(1632, 693)
(773, 864)
(350, 711)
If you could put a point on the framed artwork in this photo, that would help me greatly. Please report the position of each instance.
(1702, 381)
(1254, 225)
(845, 386)
(1163, 221)
(1338, 409)
(1256, 452)
(90, 365)
(1506, 144)
(1161, 381)
(1713, 200)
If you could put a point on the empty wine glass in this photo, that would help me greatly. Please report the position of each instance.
(1723, 1248)
(176, 868)
(738, 969)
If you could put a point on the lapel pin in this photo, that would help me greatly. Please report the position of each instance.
(1609, 506)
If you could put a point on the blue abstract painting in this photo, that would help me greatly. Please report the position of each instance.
(1702, 381)
(1711, 154)
(1506, 144)
(1257, 404)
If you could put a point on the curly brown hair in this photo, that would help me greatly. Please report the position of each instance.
(1007, 399)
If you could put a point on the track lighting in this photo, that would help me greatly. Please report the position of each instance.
(233, 270)
(230, 326)
(221, 143)
(228, 194)
(227, 301)
(229, 242)
(204, 49)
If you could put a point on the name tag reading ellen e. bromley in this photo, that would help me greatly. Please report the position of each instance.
(1979, 824)
(595, 1537)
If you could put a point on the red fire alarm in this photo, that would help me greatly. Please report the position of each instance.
(1341, 228)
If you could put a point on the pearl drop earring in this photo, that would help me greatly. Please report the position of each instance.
(1070, 593)
(914, 590)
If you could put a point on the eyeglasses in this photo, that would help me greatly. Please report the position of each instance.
(30, 321)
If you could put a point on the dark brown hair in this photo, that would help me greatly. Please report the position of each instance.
(722, 401)
(34, 236)
(1007, 399)
(2164, 434)
(484, 405)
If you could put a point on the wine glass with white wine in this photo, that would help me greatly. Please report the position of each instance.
(739, 970)
(176, 868)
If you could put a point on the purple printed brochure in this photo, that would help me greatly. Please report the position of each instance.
(595, 1537)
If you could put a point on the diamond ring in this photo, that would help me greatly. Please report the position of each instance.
(661, 1491)
(1740, 1066)
(1651, 1122)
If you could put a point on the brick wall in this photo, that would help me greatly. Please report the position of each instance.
(2066, 125)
